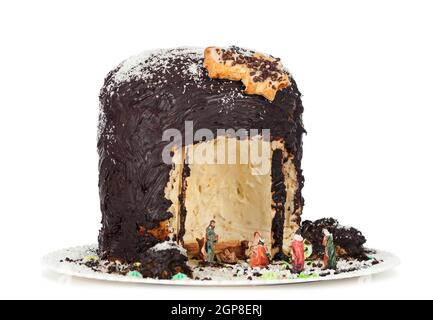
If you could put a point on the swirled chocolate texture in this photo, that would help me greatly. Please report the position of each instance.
(160, 90)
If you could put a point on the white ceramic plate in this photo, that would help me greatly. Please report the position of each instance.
(52, 262)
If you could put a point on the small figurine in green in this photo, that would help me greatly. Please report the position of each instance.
(211, 239)
(330, 259)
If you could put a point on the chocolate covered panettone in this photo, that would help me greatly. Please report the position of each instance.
(174, 104)
(200, 178)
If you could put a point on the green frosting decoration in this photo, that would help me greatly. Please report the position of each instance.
(285, 265)
(179, 276)
(307, 276)
(134, 274)
(90, 259)
(270, 275)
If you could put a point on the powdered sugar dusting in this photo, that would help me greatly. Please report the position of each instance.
(195, 70)
(156, 63)
(130, 67)
(102, 121)
(168, 245)
(228, 100)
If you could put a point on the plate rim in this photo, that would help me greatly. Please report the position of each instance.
(47, 262)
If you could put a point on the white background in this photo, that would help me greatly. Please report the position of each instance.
(365, 69)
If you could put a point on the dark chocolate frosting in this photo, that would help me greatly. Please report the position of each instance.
(156, 91)
(349, 241)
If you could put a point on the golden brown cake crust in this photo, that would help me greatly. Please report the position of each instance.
(261, 74)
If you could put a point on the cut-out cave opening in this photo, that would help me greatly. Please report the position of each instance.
(237, 194)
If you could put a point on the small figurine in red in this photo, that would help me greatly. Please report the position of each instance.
(259, 253)
(298, 258)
